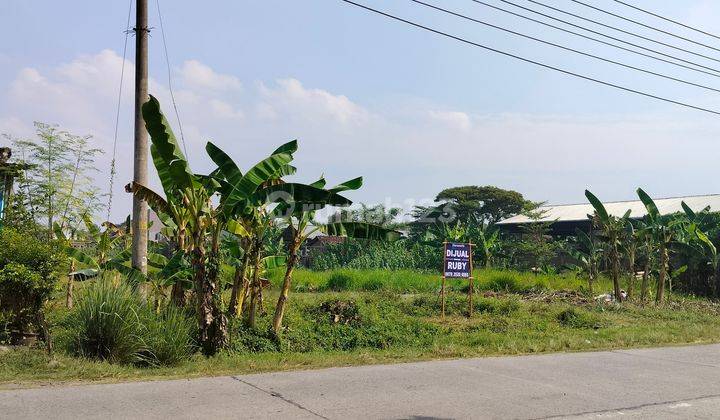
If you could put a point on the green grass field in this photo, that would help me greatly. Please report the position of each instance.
(351, 317)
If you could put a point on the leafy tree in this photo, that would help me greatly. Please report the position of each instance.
(59, 184)
(488, 204)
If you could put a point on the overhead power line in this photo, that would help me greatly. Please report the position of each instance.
(662, 31)
(665, 44)
(117, 114)
(607, 60)
(667, 19)
(620, 47)
(527, 60)
(169, 77)
(610, 36)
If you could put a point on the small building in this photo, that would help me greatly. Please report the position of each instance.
(565, 219)
(315, 243)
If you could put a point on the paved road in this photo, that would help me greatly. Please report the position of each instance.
(680, 382)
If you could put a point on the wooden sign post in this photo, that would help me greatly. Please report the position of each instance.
(457, 263)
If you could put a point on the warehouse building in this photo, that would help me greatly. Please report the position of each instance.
(565, 219)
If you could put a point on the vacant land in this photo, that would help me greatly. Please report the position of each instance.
(353, 317)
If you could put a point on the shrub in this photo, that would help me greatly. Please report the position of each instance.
(27, 278)
(504, 283)
(113, 323)
(169, 337)
(339, 282)
(372, 284)
(576, 318)
(106, 324)
(377, 255)
(249, 340)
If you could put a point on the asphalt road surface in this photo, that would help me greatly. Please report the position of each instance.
(679, 382)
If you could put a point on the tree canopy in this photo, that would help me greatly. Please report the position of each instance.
(490, 204)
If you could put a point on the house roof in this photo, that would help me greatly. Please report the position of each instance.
(580, 212)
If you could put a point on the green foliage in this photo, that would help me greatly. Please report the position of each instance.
(27, 277)
(579, 318)
(412, 281)
(59, 185)
(362, 254)
(489, 204)
(506, 282)
(168, 337)
(341, 324)
(106, 324)
(339, 281)
(113, 323)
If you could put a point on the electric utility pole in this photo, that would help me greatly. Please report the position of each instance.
(140, 175)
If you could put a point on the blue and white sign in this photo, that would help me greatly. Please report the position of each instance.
(458, 259)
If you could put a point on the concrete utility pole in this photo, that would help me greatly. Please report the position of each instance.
(140, 172)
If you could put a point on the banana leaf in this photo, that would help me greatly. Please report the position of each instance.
(288, 148)
(273, 261)
(228, 169)
(352, 184)
(154, 200)
(299, 193)
(598, 206)
(649, 204)
(90, 226)
(81, 257)
(173, 162)
(360, 230)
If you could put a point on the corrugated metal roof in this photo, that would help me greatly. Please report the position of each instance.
(578, 212)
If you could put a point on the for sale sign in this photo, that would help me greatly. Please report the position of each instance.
(458, 260)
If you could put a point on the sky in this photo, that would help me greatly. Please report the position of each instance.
(410, 111)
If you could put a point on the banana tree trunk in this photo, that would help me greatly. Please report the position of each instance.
(236, 289)
(70, 286)
(254, 286)
(282, 300)
(212, 324)
(239, 287)
(664, 257)
(631, 271)
(616, 274)
(177, 295)
(645, 281)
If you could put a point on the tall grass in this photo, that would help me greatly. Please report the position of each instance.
(113, 323)
(413, 281)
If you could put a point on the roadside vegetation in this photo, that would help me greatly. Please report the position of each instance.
(231, 287)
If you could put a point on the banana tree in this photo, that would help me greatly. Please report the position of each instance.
(707, 246)
(188, 203)
(488, 244)
(612, 228)
(105, 259)
(587, 254)
(300, 224)
(631, 242)
(664, 231)
(647, 250)
(246, 199)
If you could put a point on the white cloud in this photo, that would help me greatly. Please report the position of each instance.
(454, 119)
(409, 151)
(198, 76)
(316, 105)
